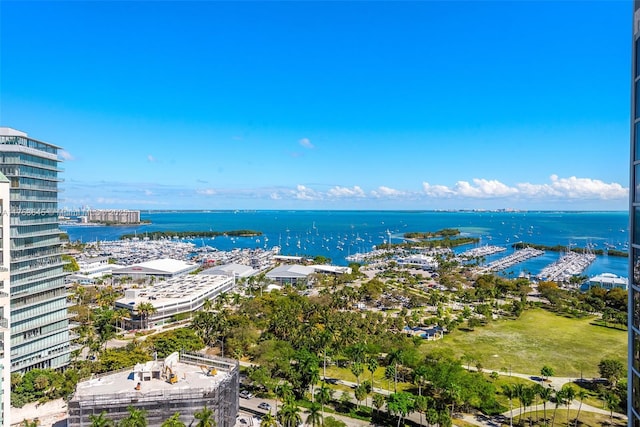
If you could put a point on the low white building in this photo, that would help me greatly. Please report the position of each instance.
(290, 274)
(164, 267)
(606, 281)
(183, 294)
(234, 270)
(424, 262)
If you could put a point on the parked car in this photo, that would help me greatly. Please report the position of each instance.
(245, 394)
(265, 406)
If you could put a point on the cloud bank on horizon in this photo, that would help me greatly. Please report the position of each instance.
(480, 193)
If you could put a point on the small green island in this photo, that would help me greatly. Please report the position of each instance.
(188, 234)
(432, 239)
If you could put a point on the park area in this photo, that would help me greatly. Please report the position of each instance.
(572, 347)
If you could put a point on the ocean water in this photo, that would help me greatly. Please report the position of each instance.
(337, 234)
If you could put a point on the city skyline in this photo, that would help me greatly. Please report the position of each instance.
(325, 105)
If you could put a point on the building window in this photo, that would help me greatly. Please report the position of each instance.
(636, 351)
(636, 225)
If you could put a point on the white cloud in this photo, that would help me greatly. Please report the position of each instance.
(388, 192)
(306, 143)
(148, 193)
(557, 189)
(65, 155)
(437, 190)
(341, 192)
(483, 188)
(151, 159)
(207, 192)
(304, 193)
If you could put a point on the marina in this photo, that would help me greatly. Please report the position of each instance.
(511, 260)
(482, 251)
(570, 264)
(344, 236)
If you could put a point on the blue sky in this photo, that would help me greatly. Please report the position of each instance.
(325, 105)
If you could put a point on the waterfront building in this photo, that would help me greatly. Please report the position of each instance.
(182, 383)
(40, 336)
(5, 306)
(633, 383)
(606, 281)
(233, 269)
(113, 216)
(165, 268)
(170, 298)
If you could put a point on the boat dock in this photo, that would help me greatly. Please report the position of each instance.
(515, 258)
(569, 264)
(481, 251)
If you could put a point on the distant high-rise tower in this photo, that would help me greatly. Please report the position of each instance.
(633, 386)
(39, 320)
(5, 333)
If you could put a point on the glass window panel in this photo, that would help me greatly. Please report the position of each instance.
(637, 106)
(635, 384)
(637, 142)
(636, 351)
(637, 73)
(636, 225)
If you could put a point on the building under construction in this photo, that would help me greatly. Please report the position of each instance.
(182, 383)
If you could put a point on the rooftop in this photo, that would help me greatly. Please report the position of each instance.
(168, 265)
(191, 378)
(187, 287)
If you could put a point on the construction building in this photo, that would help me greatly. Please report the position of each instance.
(184, 383)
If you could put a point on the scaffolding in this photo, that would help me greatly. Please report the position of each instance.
(160, 404)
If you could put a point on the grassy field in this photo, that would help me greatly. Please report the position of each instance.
(586, 419)
(538, 338)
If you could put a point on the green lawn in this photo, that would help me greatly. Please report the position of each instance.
(538, 338)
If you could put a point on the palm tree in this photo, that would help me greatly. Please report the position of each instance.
(582, 394)
(30, 423)
(356, 370)
(315, 417)
(146, 309)
(100, 420)
(268, 420)
(378, 401)
(545, 395)
(205, 417)
(509, 393)
(323, 395)
(173, 421)
(372, 366)
(289, 416)
(395, 358)
(559, 401)
(570, 394)
(611, 401)
(360, 393)
(136, 418)
(518, 390)
(527, 400)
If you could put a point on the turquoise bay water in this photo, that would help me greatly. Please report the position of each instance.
(336, 234)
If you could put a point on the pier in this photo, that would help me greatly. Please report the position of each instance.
(569, 264)
(513, 259)
(481, 251)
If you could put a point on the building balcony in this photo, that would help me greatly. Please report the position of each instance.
(42, 254)
(4, 323)
(39, 277)
(23, 235)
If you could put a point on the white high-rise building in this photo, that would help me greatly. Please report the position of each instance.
(40, 335)
(5, 325)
